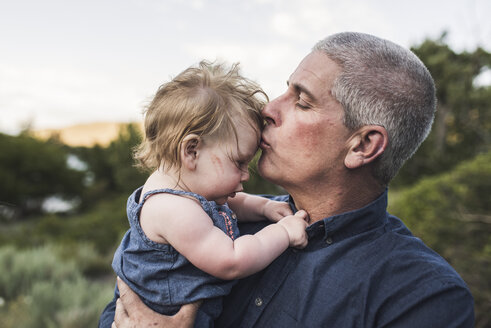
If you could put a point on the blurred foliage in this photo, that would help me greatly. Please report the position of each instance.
(103, 226)
(68, 285)
(451, 213)
(463, 120)
(37, 289)
(256, 184)
(111, 169)
(31, 171)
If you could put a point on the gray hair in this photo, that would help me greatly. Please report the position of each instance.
(383, 84)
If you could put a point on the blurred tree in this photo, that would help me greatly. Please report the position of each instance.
(463, 120)
(126, 177)
(111, 169)
(31, 171)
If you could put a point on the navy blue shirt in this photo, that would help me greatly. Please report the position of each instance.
(360, 269)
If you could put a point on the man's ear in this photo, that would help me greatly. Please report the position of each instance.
(366, 145)
(189, 151)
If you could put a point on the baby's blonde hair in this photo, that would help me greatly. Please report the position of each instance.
(207, 100)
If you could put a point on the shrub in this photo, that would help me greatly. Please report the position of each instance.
(451, 213)
(41, 290)
(21, 269)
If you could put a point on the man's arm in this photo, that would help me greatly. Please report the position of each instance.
(131, 312)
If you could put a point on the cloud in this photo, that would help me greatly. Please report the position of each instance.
(65, 62)
(270, 64)
(197, 4)
(57, 96)
(312, 20)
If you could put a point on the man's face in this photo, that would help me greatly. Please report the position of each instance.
(304, 142)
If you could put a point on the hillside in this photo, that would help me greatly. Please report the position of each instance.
(87, 134)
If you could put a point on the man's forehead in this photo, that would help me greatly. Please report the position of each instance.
(314, 71)
(317, 66)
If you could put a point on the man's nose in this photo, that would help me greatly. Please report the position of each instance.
(270, 112)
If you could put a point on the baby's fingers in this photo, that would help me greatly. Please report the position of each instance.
(303, 215)
(302, 242)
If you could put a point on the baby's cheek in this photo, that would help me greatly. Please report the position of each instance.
(217, 164)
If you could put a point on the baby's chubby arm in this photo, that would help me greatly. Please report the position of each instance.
(192, 233)
(255, 208)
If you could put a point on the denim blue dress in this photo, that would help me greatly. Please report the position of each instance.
(163, 278)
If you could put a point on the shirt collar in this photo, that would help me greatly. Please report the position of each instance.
(344, 225)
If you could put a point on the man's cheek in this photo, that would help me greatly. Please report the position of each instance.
(306, 140)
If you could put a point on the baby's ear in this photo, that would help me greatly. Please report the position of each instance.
(365, 145)
(189, 151)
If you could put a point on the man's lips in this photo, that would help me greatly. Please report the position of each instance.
(264, 144)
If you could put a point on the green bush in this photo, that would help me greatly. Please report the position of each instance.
(451, 214)
(102, 227)
(41, 290)
(21, 269)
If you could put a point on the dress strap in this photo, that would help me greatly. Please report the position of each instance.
(205, 204)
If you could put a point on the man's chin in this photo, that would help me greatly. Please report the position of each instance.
(267, 172)
(263, 167)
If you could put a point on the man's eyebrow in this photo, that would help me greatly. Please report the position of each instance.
(300, 88)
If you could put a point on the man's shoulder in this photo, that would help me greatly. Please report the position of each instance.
(421, 286)
(406, 280)
(404, 251)
(413, 275)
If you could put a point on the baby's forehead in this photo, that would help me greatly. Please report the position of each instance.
(244, 143)
(249, 151)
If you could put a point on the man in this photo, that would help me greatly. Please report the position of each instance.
(355, 109)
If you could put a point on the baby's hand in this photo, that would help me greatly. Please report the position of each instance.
(295, 225)
(275, 211)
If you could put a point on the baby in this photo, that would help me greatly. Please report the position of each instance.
(201, 131)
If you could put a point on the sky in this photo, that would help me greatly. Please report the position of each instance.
(65, 62)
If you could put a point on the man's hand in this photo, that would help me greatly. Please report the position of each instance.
(131, 312)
